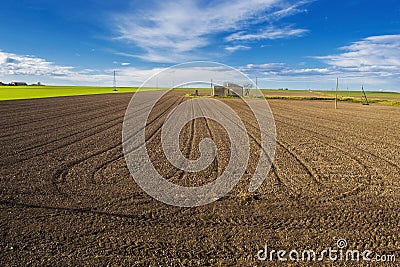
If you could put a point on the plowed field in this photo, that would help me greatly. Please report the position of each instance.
(67, 197)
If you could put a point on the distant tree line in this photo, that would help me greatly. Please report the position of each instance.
(19, 84)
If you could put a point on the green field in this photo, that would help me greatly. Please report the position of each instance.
(27, 92)
(340, 93)
(387, 98)
(381, 95)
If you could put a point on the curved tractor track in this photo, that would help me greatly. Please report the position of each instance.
(67, 197)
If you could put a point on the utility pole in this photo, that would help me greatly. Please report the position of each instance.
(337, 88)
(212, 88)
(115, 83)
(256, 83)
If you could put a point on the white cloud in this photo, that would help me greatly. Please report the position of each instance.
(125, 64)
(292, 9)
(12, 64)
(284, 70)
(31, 69)
(268, 33)
(373, 61)
(237, 47)
(375, 55)
(264, 69)
(167, 31)
(280, 75)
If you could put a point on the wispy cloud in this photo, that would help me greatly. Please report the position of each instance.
(268, 33)
(374, 61)
(171, 31)
(283, 70)
(375, 55)
(237, 47)
(291, 9)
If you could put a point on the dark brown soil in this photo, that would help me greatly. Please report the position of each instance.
(67, 197)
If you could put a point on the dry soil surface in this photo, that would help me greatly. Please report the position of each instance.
(67, 197)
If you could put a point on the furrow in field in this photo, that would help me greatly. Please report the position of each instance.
(340, 138)
(367, 158)
(29, 131)
(314, 174)
(56, 141)
(97, 172)
(216, 168)
(355, 131)
(41, 149)
(101, 211)
(32, 120)
(61, 174)
(284, 174)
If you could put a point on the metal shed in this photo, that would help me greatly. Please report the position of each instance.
(229, 89)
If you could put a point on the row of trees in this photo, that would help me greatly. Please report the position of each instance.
(18, 84)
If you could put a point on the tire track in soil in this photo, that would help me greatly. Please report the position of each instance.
(154, 138)
(312, 173)
(339, 141)
(213, 137)
(104, 128)
(372, 180)
(274, 170)
(189, 151)
(366, 223)
(348, 151)
(352, 133)
(306, 167)
(304, 110)
(203, 128)
(199, 178)
(287, 190)
(367, 166)
(189, 134)
(151, 135)
(62, 173)
(309, 171)
(169, 171)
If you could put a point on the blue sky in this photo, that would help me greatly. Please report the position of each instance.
(294, 44)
